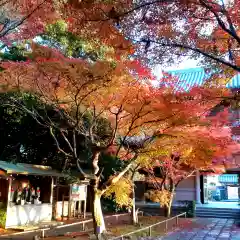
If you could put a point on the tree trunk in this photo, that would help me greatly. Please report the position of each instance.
(169, 207)
(97, 214)
(134, 213)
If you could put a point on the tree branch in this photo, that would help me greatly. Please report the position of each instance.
(74, 143)
(3, 32)
(178, 45)
(116, 178)
(67, 141)
(57, 143)
(80, 169)
(230, 31)
(138, 7)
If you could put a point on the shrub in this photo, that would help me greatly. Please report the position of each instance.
(110, 205)
(3, 216)
(190, 207)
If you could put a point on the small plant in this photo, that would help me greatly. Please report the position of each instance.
(3, 215)
(110, 205)
(190, 208)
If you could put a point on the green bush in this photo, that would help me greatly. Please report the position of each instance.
(189, 207)
(110, 205)
(3, 216)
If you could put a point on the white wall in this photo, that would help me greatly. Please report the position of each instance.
(65, 210)
(19, 215)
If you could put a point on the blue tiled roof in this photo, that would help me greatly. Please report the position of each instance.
(196, 77)
(228, 178)
(235, 82)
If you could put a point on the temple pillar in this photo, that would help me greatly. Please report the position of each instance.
(198, 188)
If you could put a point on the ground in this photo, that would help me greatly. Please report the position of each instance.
(206, 229)
(189, 229)
(195, 229)
(144, 221)
(123, 226)
(67, 230)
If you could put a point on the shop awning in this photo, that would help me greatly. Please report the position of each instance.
(28, 169)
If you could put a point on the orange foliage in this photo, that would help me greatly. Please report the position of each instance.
(192, 148)
(156, 125)
(200, 27)
(204, 28)
(27, 18)
(133, 107)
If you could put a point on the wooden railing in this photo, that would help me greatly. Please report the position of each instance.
(149, 228)
(83, 225)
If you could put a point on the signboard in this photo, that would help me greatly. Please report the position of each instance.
(78, 192)
(232, 193)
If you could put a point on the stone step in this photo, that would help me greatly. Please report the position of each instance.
(213, 216)
(214, 213)
(218, 210)
(225, 209)
(218, 216)
(219, 213)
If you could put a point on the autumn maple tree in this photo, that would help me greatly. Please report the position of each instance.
(118, 98)
(161, 31)
(92, 72)
(170, 161)
(200, 29)
(24, 19)
(165, 32)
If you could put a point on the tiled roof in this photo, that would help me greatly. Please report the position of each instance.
(235, 82)
(196, 77)
(28, 169)
(189, 77)
(228, 178)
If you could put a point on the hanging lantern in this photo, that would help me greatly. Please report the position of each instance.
(38, 193)
(11, 194)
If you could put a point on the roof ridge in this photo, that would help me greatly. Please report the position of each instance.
(196, 77)
(198, 69)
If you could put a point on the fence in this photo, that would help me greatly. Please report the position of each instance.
(61, 230)
(86, 225)
(149, 229)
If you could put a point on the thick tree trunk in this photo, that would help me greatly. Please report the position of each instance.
(97, 214)
(134, 212)
(169, 207)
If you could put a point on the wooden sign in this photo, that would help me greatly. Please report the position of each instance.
(79, 192)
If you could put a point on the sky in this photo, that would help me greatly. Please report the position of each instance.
(186, 64)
